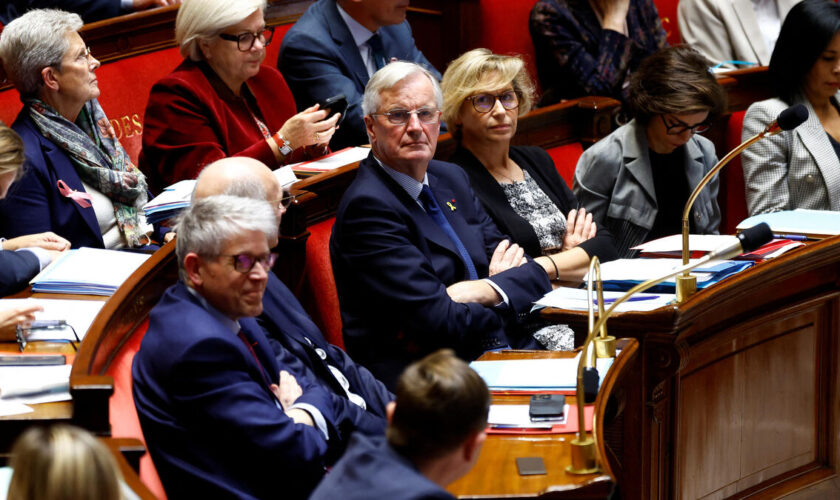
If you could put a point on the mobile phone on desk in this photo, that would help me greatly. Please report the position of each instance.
(547, 407)
(333, 105)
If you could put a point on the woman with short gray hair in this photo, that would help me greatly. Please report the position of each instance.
(80, 182)
(221, 101)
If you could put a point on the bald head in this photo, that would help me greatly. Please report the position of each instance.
(239, 176)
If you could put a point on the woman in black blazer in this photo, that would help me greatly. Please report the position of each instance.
(484, 94)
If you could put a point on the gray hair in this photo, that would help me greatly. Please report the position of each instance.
(211, 222)
(390, 75)
(33, 42)
(205, 19)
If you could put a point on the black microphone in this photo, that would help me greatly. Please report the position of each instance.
(788, 119)
(748, 240)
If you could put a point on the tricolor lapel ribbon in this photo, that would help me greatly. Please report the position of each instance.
(80, 197)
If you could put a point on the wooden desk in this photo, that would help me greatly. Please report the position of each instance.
(739, 385)
(495, 474)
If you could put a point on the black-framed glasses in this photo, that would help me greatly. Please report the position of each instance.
(245, 41)
(402, 116)
(243, 262)
(680, 126)
(483, 103)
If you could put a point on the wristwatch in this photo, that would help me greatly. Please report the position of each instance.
(282, 144)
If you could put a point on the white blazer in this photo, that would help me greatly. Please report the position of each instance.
(726, 30)
(794, 169)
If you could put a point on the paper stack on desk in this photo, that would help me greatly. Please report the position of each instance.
(332, 161)
(170, 202)
(624, 274)
(810, 223)
(24, 385)
(531, 376)
(577, 299)
(88, 271)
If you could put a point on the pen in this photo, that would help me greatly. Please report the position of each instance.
(631, 299)
(794, 237)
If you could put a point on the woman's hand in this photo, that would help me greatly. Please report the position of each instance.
(579, 228)
(506, 256)
(47, 241)
(309, 127)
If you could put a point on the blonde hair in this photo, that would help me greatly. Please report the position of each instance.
(62, 463)
(11, 151)
(480, 69)
(205, 19)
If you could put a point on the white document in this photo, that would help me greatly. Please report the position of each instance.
(77, 313)
(177, 193)
(696, 242)
(8, 408)
(35, 384)
(644, 269)
(92, 266)
(577, 299)
(332, 161)
(518, 416)
(285, 176)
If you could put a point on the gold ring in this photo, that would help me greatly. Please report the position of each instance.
(316, 136)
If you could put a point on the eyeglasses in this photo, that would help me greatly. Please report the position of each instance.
(402, 116)
(86, 54)
(243, 262)
(483, 103)
(287, 199)
(245, 41)
(680, 127)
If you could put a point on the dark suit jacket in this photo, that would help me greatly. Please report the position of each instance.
(372, 469)
(319, 59)
(34, 205)
(212, 425)
(392, 265)
(291, 330)
(540, 166)
(16, 269)
(90, 10)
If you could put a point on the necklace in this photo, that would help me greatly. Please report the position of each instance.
(508, 177)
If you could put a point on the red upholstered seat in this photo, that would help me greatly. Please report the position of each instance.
(272, 51)
(732, 188)
(565, 160)
(124, 420)
(319, 295)
(668, 14)
(10, 105)
(125, 86)
(504, 30)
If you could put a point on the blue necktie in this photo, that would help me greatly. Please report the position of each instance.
(432, 208)
(377, 51)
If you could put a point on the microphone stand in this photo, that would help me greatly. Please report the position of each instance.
(687, 284)
(584, 459)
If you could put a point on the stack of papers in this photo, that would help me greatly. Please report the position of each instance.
(332, 161)
(35, 384)
(811, 223)
(624, 274)
(88, 271)
(534, 375)
(701, 244)
(577, 299)
(170, 202)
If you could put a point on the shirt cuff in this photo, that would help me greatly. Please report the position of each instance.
(315, 413)
(43, 256)
(501, 293)
(127, 5)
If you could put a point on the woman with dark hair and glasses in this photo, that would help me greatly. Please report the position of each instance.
(637, 180)
(799, 168)
(221, 101)
(483, 96)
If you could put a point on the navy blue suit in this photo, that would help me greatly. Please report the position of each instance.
(319, 59)
(90, 10)
(211, 423)
(372, 469)
(16, 269)
(291, 330)
(392, 265)
(34, 205)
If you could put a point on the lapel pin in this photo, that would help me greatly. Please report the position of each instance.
(451, 205)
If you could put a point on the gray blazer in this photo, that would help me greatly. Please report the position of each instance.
(726, 30)
(793, 169)
(614, 182)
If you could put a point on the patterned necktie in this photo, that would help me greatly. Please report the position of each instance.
(432, 208)
(250, 347)
(377, 51)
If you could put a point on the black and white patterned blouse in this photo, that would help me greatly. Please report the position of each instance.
(532, 204)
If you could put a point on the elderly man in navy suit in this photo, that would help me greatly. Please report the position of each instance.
(418, 263)
(334, 49)
(222, 416)
(358, 398)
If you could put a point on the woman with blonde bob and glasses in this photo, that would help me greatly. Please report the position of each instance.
(61, 462)
(221, 101)
(484, 95)
(637, 180)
